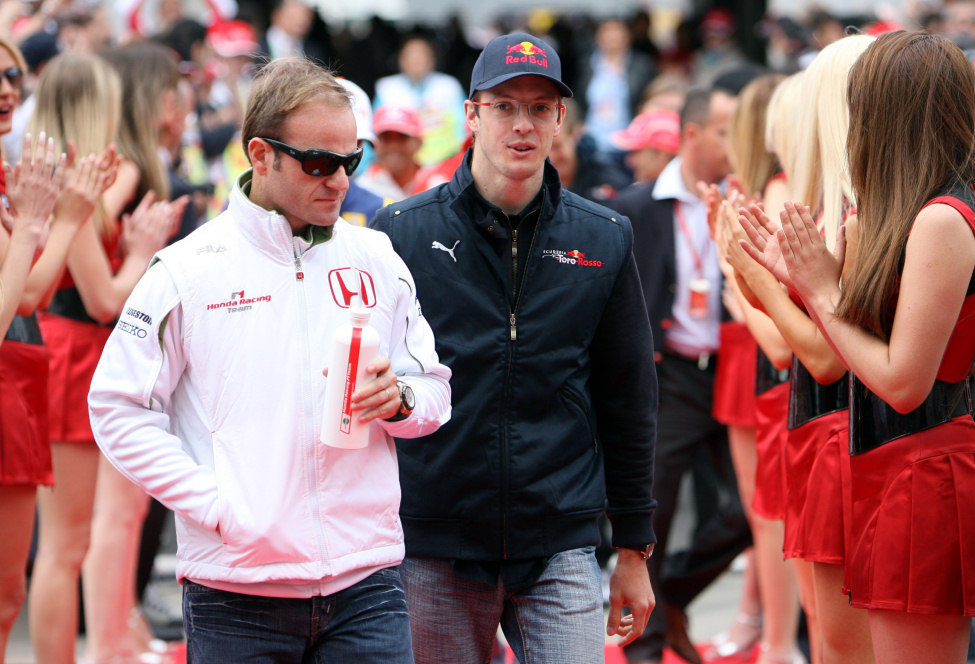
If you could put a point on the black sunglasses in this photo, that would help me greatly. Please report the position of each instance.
(320, 163)
(14, 76)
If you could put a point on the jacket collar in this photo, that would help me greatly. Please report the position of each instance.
(467, 202)
(267, 230)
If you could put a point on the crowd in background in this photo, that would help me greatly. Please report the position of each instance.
(161, 122)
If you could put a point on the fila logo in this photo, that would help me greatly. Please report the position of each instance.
(346, 282)
(437, 245)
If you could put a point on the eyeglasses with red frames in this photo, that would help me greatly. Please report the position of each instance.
(320, 163)
(539, 111)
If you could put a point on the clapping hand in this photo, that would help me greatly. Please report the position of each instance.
(33, 185)
(809, 262)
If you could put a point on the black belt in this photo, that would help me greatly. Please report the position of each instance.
(67, 303)
(703, 361)
(874, 423)
(25, 330)
(809, 399)
(766, 375)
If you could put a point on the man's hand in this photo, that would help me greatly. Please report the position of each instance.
(629, 586)
(379, 398)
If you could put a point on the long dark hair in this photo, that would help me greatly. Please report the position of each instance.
(912, 133)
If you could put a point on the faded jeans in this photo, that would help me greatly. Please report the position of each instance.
(363, 624)
(558, 620)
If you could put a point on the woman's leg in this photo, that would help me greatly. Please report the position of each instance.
(845, 630)
(16, 524)
(777, 582)
(65, 523)
(913, 638)
(807, 597)
(110, 567)
(746, 627)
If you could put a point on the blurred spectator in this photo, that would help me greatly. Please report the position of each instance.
(360, 205)
(666, 91)
(234, 44)
(959, 22)
(438, 98)
(438, 174)
(287, 35)
(398, 133)
(651, 141)
(612, 81)
(718, 50)
(37, 49)
(734, 78)
(786, 43)
(641, 27)
(581, 167)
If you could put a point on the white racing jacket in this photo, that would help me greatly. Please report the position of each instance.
(209, 394)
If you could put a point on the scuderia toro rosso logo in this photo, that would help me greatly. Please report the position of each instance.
(574, 257)
(526, 52)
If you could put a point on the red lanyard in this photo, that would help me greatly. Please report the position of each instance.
(698, 258)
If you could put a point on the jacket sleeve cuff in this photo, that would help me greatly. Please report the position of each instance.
(632, 531)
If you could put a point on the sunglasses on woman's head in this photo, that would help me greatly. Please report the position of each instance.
(14, 76)
(320, 163)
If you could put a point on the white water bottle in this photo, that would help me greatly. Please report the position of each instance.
(354, 345)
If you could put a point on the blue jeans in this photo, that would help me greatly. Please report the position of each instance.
(558, 620)
(364, 624)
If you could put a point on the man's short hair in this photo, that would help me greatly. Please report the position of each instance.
(280, 87)
(697, 107)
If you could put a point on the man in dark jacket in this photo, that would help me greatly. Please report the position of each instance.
(537, 306)
(681, 278)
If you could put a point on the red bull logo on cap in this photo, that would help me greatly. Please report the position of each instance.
(526, 52)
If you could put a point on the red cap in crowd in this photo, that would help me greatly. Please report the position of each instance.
(658, 129)
(230, 38)
(400, 119)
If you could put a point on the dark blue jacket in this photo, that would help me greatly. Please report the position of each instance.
(554, 395)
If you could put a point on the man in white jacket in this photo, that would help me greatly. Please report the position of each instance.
(209, 395)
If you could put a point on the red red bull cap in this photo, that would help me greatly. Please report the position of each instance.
(516, 54)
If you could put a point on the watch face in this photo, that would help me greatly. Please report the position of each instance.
(406, 394)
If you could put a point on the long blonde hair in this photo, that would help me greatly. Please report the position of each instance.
(780, 123)
(912, 134)
(78, 99)
(146, 69)
(823, 173)
(753, 161)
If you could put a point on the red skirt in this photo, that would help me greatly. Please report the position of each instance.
(914, 523)
(25, 451)
(734, 377)
(772, 410)
(75, 348)
(814, 518)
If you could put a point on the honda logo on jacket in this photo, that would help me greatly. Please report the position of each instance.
(346, 282)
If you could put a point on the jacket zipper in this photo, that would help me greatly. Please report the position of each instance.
(312, 472)
(513, 334)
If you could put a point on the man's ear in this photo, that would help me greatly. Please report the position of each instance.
(470, 113)
(260, 154)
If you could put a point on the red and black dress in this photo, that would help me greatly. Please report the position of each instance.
(772, 406)
(817, 464)
(913, 481)
(74, 342)
(734, 377)
(25, 451)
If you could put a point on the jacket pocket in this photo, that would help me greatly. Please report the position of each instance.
(576, 403)
(261, 519)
